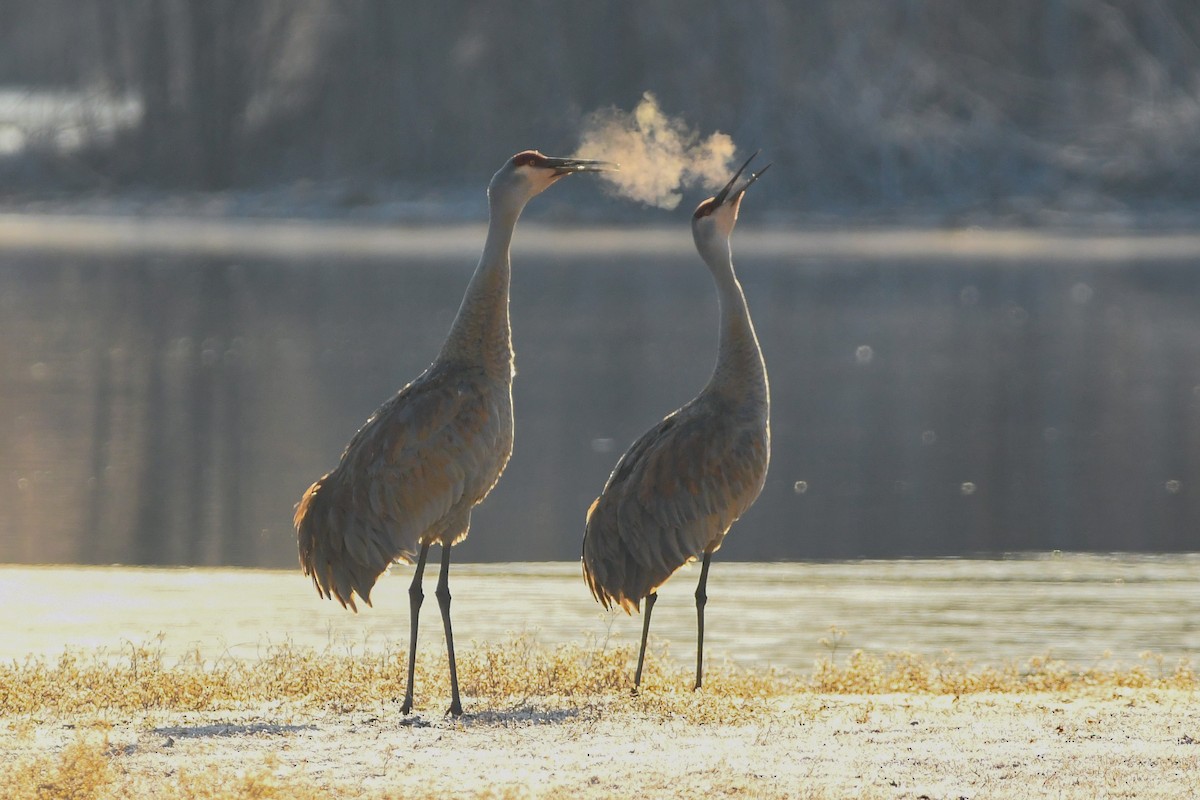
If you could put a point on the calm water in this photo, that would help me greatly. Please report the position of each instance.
(1081, 608)
(932, 394)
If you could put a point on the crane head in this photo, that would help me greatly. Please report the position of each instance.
(718, 214)
(530, 173)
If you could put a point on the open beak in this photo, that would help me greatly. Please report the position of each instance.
(753, 177)
(569, 166)
(725, 193)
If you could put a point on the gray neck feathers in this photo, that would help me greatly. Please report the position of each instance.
(481, 333)
(739, 371)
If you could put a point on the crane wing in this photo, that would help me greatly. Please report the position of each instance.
(411, 474)
(671, 497)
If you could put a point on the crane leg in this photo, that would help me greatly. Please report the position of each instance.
(701, 600)
(651, 599)
(443, 596)
(415, 596)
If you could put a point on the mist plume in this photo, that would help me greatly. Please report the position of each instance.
(659, 155)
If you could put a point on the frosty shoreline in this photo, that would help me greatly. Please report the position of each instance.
(1128, 743)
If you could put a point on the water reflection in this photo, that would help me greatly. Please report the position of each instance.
(164, 410)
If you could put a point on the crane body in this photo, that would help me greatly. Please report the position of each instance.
(413, 473)
(674, 494)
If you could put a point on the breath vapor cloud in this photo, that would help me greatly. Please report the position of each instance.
(659, 155)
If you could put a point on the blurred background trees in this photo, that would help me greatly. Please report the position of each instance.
(935, 103)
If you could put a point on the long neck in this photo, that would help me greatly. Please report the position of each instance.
(481, 333)
(740, 371)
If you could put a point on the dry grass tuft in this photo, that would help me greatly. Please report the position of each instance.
(86, 769)
(520, 670)
(258, 784)
(864, 673)
(81, 771)
(143, 680)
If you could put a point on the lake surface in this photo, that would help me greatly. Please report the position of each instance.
(1082, 608)
(169, 388)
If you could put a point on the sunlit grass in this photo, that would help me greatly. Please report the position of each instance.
(84, 770)
(514, 683)
(516, 674)
(865, 673)
(81, 771)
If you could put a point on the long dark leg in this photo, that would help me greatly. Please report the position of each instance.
(443, 596)
(415, 596)
(701, 600)
(650, 601)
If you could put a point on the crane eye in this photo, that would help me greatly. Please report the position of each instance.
(525, 160)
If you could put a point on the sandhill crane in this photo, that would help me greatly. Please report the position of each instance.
(673, 496)
(410, 477)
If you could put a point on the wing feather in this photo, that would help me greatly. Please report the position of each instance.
(671, 498)
(410, 475)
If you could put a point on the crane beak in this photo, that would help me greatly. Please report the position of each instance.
(569, 166)
(753, 177)
(729, 191)
(724, 193)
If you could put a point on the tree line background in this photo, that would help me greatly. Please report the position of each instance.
(862, 104)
